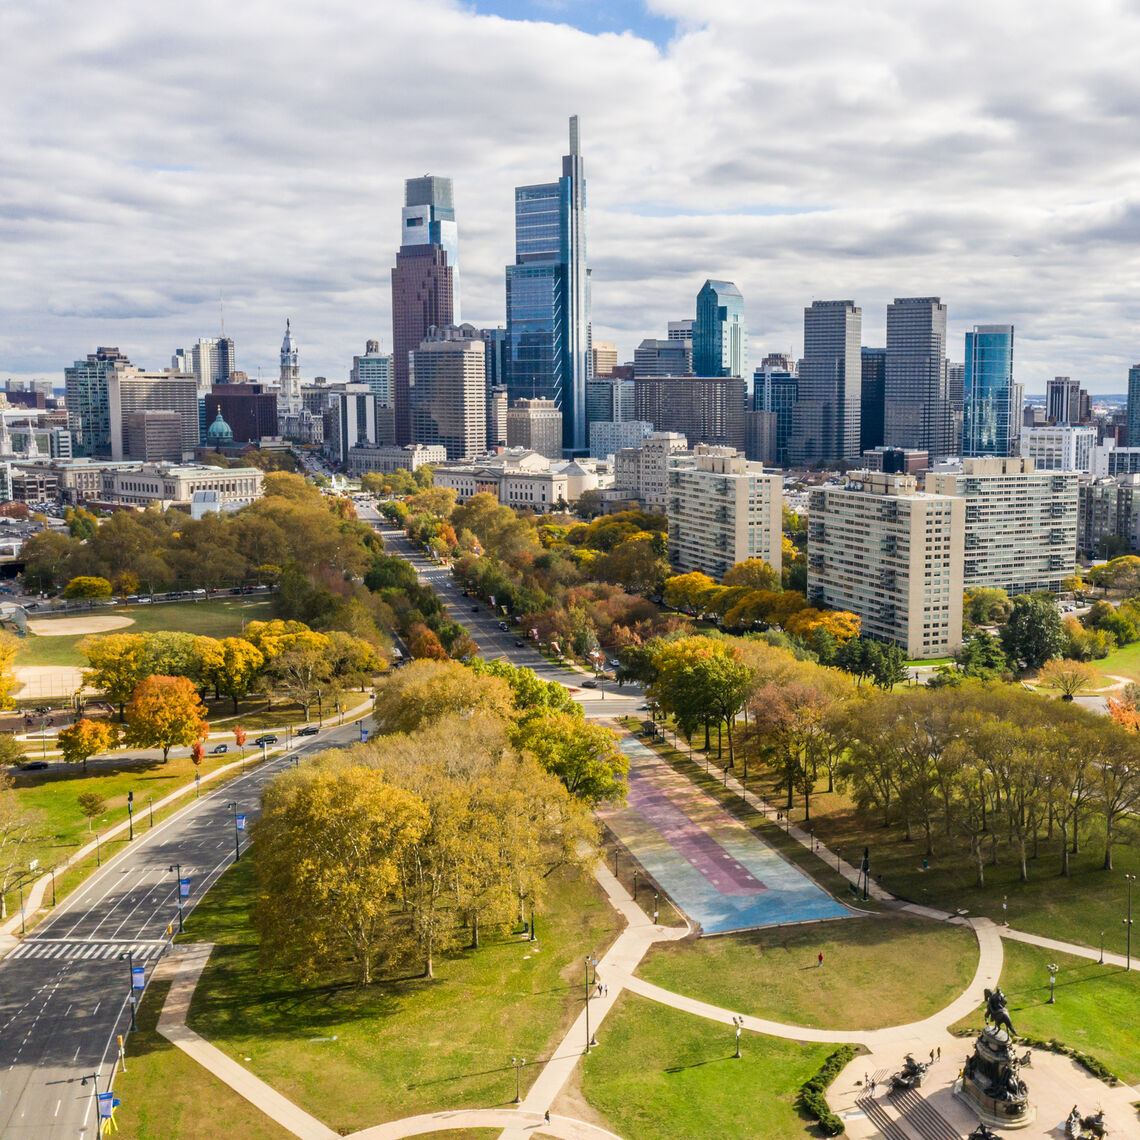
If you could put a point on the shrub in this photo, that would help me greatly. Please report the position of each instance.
(811, 1097)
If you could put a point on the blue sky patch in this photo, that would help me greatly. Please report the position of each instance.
(595, 18)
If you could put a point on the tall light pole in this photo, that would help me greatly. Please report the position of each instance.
(150, 805)
(1052, 968)
(177, 869)
(237, 834)
(1129, 879)
(129, 955)
(739, 1023)
(131, 816)
(518, 1063)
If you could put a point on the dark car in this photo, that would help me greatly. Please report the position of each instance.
(520, 644)
(308, 730)
(589, 684)
(268, 738)
(474, 609)
(34, 766)
(218, 749)
(503, 626)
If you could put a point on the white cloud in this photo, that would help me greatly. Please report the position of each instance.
(158, 155)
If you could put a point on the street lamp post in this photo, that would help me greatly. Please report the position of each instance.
(22, 930)
(129, 955)
(98, 852)
(1100, 960)
(1052, 968)
(150, 806)
(197, 780)
(655, 911)
(533, 936)
(177, 869)
(1129, 879)
(131, 816)
(237, 836)
(518, 1063)
(635, 884)
(589, 1037)
(51, 871)
(739, 1023)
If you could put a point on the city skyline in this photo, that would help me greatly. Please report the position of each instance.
(174, 172)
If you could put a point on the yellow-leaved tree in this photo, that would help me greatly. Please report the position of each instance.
(81, 740)
(165, 712)
(9, 644)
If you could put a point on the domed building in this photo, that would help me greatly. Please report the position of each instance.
(219, 434)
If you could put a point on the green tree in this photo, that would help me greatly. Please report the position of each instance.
(91, 804)
(1034, 632)
(984, 605)
(81, 524)
(982, 656)
(232, 665)
(80, 741)
(529, 692)
(585, 756)
(1068, 677)
(47, 556)
(87, 586)
(165, 712)
(330, 849)
(19, 828)
(423, 692)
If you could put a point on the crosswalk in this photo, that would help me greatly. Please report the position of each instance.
(60, 949)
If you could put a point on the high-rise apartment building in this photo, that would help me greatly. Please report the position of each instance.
(537, 426)
(918, 412)
(644, 470)
(1065, 401)
(1060, 447)
(871, 407)
(130, 390)
(374, 368)
(88, 400)
(1134, 406)
(720, 334)
(211, 361)
(991, 406)
(1108, 516)
(704, 409)
(447, 392)
(672, 357)
(722, 510)
(608, 437)
(425, 281)
(774, 390)
(609, 400)
(1020, 525)
(893, 555)
(825, 420)
(548, 296)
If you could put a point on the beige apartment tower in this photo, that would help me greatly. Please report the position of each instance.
(891, 554)
(1020, 523)
(537, 426)
(722, 510)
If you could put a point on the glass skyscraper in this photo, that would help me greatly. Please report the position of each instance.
(720, 335)
(548, 297)
(991, 417)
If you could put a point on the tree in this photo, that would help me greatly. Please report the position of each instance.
(635, 564)
(424, 692)
(354, 660)
(529, 692)
(117, 665)
(233, 665)
(982, 656)
(19, 827)
(87, 586)
(172, 653)
(330, 849)
(12, 751)
(83, 739)
(754, 573)
(983, 605)
(91, 804)
(585, 756)
(47, 556)
(301, 673)
(81, 523)
(1034, 632)
(9, 647)
(425, 643)
(240, 736)
(1069, 677)
(687, 591)
(165, 712)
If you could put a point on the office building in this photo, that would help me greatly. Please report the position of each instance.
(991, 416)
(609, 399)
(1020, 530)
(249, 409)
(1134, 406)
(1066, 402)
(603, 357)
(825, 420)
(130, 390)
(536, 425)
(608, 437)
(722, 510)
(385, 460)
(350, 420)
(704, 409)
(871, 401)
(497, 407)
(211, 361)
(680, 330)
(1059, 447)
(644, 470)
(761, 441)
(374, 368)
(774, 390)
(88, 400)
(548, 297)
(425, 281)
(895, 460)
(917, 409)
(672, 357)
(154, 437)
(881, 549)
(720, 334)
(447, 393)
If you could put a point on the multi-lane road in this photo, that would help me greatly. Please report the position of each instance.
(64, 990)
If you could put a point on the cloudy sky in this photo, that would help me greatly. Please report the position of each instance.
(156, 156)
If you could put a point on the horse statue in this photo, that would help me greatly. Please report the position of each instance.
(997, 1012)
(982, 1133)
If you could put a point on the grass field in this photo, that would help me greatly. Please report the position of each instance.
(219, 618)
(661, 1073)
(1123, 662)
(773, 973)
(355, 1057)
(1097, 1007)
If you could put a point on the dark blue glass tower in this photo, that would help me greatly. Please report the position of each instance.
(720, 336)
(548, 297)
(990, 412)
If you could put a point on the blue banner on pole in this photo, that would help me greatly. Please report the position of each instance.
(138, 977)
(241, 823)
(106, 1105)
(183, 888)
(363, 734)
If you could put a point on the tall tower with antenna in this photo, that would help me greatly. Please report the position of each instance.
(290, 399)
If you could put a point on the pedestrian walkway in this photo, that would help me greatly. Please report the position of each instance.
(59, 949)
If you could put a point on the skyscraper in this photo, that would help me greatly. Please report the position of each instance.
(88, 400)
(425, 280)
(871, 402)
(917, 409)
(548, 296)
(720, 336)
(448, 392)
(991, 420)
(1134, 406)
(774, 390)
(1065, 401)
(374, 368)
(211, 361)
(825, 420)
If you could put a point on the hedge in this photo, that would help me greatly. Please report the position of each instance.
(812, 1099)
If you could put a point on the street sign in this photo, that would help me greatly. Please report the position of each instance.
(106, 1105)
(183, 888)
(241, 823)
(363, 734)
(33, 865)
(138, 977)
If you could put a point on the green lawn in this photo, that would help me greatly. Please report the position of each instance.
(773, 973)
(355, 1057)
(1097, 1008)
(166, 1094)
(219, 618)
(1123, 662)
(661, 1073)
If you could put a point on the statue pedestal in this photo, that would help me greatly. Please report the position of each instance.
(991, 1083)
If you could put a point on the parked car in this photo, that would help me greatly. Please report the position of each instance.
(308, 730)
(218, 749)
(503, 626)
(34, 766)
(589, 684)
(474, 609)
(520, 644)
(266, 738)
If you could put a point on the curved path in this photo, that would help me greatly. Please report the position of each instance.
(511, 1119)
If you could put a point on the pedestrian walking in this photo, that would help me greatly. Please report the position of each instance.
(872, 1087)
(932, 1056)
(820, 962)
(546, 1116)
(940, 1052)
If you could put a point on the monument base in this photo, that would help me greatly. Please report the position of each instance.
(984, 1108)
